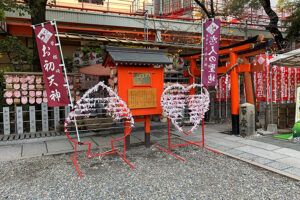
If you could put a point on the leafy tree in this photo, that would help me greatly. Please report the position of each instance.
(237, 7)
(17, 53)
(37, 10)
(11, 6)
(292, 22)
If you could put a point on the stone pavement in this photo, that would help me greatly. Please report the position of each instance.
(276, 155)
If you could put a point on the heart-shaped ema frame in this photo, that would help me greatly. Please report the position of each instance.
(175, 100)
(115, 107)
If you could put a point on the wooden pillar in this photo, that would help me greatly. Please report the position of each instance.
(248, 88)
(235, 97)
(147, 131)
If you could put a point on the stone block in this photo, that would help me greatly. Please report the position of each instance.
(272, 128)
(59, 146)
(10, 152)
(34, 149)
(247, 119)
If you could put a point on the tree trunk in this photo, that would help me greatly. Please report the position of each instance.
(203, 8)
(273, 25)
(38, 15)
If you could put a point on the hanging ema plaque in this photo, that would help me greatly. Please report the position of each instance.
(142, 98)
(141, 79)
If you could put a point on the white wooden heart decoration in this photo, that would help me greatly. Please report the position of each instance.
(178, 105)
(116, 108)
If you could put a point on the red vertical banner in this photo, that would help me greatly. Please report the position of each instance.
(298, 76)
(51, 65)
(210, 51)
(260, 95)
(284, 84)
(292, 84)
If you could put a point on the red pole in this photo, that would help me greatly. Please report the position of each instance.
(203, 132)
(235, 97)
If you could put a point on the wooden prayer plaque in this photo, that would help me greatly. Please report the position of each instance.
(142, 98)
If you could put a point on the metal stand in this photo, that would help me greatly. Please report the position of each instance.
(184, 144)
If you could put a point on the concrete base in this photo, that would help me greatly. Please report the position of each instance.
(272, 128)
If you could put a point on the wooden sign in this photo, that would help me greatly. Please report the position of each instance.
(19, 120)
(56, 116)
(142, 98)
(45, 125)
(141, 79)
(32, 119)
(6, 121)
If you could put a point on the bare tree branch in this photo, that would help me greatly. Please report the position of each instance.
(212, 10)
(203, 8)
(273, 25)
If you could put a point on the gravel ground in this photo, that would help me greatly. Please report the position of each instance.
(205, 175)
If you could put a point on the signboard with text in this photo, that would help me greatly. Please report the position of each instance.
(211, 51)
(51, 65)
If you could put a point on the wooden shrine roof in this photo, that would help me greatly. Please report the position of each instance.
(126, 55)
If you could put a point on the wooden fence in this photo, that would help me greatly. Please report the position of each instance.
(31, 119)
(283, 115)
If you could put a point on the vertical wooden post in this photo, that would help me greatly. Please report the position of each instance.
(6, 121)
(32, 119)
(19, 120)
(235, 96)
(248, 88)
(56, 116)
(45, 125)
(147, 131)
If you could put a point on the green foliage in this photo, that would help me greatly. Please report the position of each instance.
(237, 7)
(293, 22)
(11, 6)
(91, 47)
(18, 54)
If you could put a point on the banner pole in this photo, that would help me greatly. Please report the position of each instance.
(66, 76)
(203, 21)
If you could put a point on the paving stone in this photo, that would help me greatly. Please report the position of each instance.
(221, 148)
(133, 140)
(233, 138)
(261, 152)
(103, 141)
(59, 146)
(261, 160)
(290, 161)
(85, 147)
(293, 170)
(247, 156)
(34, 149)
(10, 152)
(289, 152)
(227, 143)
(259, 144)
(278, 165)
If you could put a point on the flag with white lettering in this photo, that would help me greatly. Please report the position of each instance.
(51, 65)
(211, 51)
